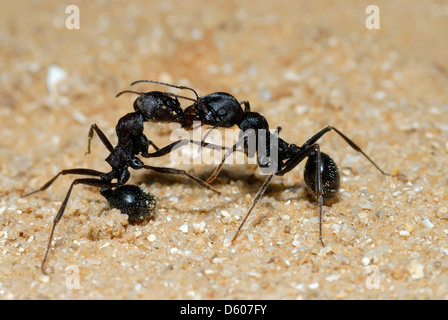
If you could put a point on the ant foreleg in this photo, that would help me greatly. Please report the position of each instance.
(228, 153)
(180, 143)
(246, 105)
(165, 170)
(80, 171)
(101, 135)
(318, 135)
(315, 181)
(257, 197)
(153, 145)
(89, 182)
(319, 189)
(206, 135)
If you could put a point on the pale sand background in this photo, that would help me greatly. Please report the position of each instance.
(302, 64)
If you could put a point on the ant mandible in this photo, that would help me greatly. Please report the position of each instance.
(129, 199)
(221, 109)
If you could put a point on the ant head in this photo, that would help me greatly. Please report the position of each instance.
(159, 107)
(218, 109)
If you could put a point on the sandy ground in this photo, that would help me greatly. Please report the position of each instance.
(303, 65)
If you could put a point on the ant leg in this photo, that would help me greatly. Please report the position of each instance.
(246, 105)
(167, 149)
(153, 145)
(293, 162)
(318, 135)
(80, 171)
(228, 153)
(319, 190)
(257, 197)
(94, 128)
(167, 84)
(206, 135)
(180, 143)
(165, 170)
(89, 182)
(101, 135)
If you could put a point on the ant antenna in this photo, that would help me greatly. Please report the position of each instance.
(127, 91)
(165, 93)
(170, 94)
(167, 84)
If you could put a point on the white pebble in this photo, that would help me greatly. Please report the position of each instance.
(427, 223)
(416, 270)
(292, 76)
(336, 227)
(55, 75)
(367, 206)
(138, 286)
(418, 188)
(314, 285)
(333, 277)
(366, 261)
(228, 239)
(93, 261)
(79, 117)
(379, 95)
(404, 233)
(104, 245)
(301, 109)
(299, 286)
(225, 213)
(198, 228)
(184, 228)
(314, 220)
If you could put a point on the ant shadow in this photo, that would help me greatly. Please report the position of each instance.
(251, 181)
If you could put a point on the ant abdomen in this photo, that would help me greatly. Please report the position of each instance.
(329, 175)
(132, 201)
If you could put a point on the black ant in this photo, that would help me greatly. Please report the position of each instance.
(321, 173)
(221, 109)
(129, 199)
(218, 109)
